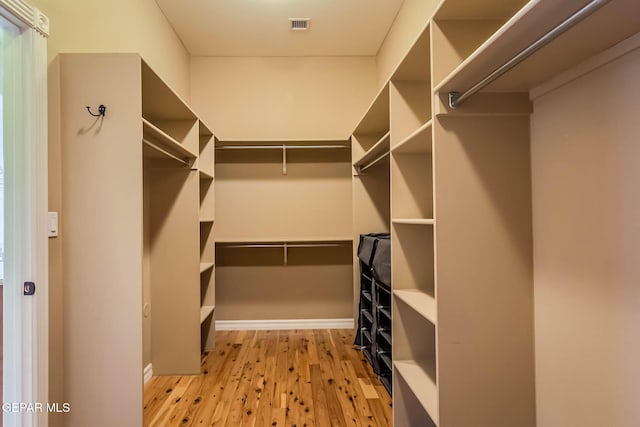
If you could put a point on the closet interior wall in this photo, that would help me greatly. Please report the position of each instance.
(586, 240)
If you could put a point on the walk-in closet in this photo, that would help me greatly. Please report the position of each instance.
(409, 213)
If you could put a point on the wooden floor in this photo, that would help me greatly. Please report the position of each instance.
(273, 378)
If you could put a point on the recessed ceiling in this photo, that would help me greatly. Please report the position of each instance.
(262, 27)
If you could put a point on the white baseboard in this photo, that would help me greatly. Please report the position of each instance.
(148, 373)
(285, 324)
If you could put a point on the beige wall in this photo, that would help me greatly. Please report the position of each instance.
(118, 26)
(81, 26)
(308, 97)
(586, 169)
(271, 98)
(410, 20)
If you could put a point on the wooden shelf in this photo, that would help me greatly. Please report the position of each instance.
(477, 9)
(205, 174)
(424, 304)
(204, 266)
(161, 143)
(204, 129)
(206, 220)
(420, 380)
(205, 311)
(377, 150)
(586, 39)
(159, 101)
(416, 63)
(311, 239)
(376, 118)
(418, 142)
(413, 221)
(284, 141)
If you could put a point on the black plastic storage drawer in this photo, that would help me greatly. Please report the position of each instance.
(374, 320)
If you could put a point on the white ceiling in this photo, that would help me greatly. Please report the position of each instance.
(261, 27)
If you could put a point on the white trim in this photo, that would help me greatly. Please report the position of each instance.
(284, 324)
(40, 130)
(26, 360)
(148, 373)
(603, 58)
(26, 13)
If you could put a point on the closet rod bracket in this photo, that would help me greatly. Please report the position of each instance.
(453, 100)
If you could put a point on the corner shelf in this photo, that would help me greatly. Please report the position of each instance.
(423, 303)
(373, 154)
(205, 311)
(415, 142)
(159, 144)
(204, 266)
(413, 221)
(205, 175)
(422, 384)
(376, 117)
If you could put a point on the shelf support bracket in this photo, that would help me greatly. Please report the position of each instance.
(286, 253)
(284, 160)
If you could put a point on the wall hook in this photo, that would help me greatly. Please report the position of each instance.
(101, 111)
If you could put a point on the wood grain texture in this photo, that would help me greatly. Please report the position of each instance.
(300, 378)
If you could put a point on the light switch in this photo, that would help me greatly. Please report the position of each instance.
(52, 224)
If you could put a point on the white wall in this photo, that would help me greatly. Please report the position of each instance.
(586, 202)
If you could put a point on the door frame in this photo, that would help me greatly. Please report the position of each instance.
(27, 340)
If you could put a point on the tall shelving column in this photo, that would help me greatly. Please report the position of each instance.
(206, 169)
(483, 239)
(412, 218)
(370, 184)
(171, 188)
(130, 249)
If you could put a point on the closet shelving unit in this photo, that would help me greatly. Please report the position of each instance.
(371, 143)
(133, 282)
(373, 155)
(412, 256)
(206, 168)
(284, 244)
(283, 223)
(461, 204)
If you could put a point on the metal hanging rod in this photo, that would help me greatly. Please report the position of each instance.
(279, 147)
(373, 162)
(165, 152)
(282, 245)
(457, 98)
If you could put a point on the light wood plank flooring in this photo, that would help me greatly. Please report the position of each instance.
(273, 378)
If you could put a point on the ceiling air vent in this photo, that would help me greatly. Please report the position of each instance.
(299, 24)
